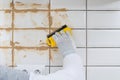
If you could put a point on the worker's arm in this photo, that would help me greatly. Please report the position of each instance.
(72, 66)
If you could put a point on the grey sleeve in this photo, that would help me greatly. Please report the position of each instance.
(12, 74)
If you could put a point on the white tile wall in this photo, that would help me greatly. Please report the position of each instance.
(103, 73)
(37, 19)
(5, 38)
(103, 19)
(79, 37)
(103, 38)
(104, 56)
(31, 38)
(6, 19)
(31, 4)
(5, 4)
(31, 57)
(96, 31)
(103, 5)
(74, 19)
(5, 57)
(68, 4)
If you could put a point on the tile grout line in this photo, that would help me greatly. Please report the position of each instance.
(12, 42)
(86, 44)
(49, 17)
(109, 29)
(16, 47)
(55, 10)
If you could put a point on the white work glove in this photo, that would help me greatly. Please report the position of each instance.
(65, 43)
(12, 74)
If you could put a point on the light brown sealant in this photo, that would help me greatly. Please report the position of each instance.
(59, 18)
(60, 9)
(43, 43)
(33, 5)
(56, 50)
(11, 4)
(25, 11)
(17, 3)
(42, 48)
(7, 11)
(17, 42)
(11, 43)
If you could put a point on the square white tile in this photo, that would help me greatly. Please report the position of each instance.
(103, 38)
(30, 38)
(103, 5)
(5, 4)
(31, 4)
(74, 19)
(79, 37)
(103, 73)
(103, 19)
(5, 38)
(103, 56)
(5, 19)
(31, 57)
(5, 57)
(37, 19)
(58, 58)
(68, 4)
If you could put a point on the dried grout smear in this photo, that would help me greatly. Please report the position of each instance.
(59, 18)
(30, 38)
(5, 57)
(74, 19)
(31, 19)
(5, 19)
(5, 38)
(68, 4)
(31, 57)
(5, 4)
(31, 4)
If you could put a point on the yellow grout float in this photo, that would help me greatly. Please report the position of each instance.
(50, 41)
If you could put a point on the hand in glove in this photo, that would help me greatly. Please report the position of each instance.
(65, 43)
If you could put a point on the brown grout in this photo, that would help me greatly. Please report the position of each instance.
(12, 44)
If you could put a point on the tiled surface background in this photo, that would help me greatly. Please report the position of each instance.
(24, 25)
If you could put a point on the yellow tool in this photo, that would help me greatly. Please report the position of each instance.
(50, 41)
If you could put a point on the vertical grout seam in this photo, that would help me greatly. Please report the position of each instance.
(12, 42)
(86, 43)
(49, 17)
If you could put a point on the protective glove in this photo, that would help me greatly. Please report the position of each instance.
(65, 43)
(12, 74)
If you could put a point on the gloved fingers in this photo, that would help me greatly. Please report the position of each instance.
(71, 38)
(69, 35)
(55, 38)
(64, 35)
(59, 36)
